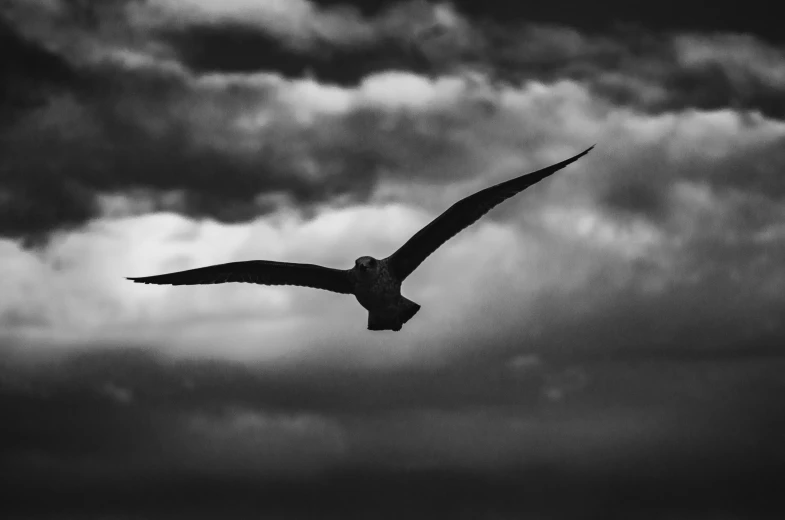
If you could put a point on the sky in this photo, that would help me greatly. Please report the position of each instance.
(610, 341)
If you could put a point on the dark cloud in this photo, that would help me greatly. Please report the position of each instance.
(138, 121)
(149, 130)
(630, 66)
(30, 73)
(641, 182)
(628, 63)
(237, 48)
(486, 429)
(672, 15)
(100, 144)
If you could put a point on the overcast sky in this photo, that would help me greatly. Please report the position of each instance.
(610, 337)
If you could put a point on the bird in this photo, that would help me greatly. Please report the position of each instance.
(375, 283)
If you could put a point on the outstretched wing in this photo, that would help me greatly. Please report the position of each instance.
(461, 215)
(263, 272)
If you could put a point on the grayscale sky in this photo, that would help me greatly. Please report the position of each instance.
(610, 340)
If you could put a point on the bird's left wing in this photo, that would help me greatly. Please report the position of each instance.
(461, 215)
(263, 272)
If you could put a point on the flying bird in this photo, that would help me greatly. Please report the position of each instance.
(375, 283)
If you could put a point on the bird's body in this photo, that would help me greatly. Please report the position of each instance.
(378, 290)
(375, 283)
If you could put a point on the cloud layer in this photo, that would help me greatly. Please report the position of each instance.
(619, 323)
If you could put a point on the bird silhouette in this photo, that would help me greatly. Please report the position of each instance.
(375, 283)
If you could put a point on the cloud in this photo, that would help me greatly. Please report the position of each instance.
(300, 23)
(247, 441)
(661, 191)
(137, 130)
(638, 225)
(587, 266)
(31, 73)
(222, 146)
(248, 432)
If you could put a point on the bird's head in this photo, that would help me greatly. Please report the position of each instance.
(366, 264)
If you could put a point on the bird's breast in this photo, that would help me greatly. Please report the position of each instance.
(377, 291)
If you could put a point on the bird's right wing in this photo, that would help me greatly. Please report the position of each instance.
(263, 272)
(461, 215)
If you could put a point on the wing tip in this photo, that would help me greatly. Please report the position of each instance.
(574, 158)
(138, 280)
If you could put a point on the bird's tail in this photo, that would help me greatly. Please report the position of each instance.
(407, 309)
(403, 312)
